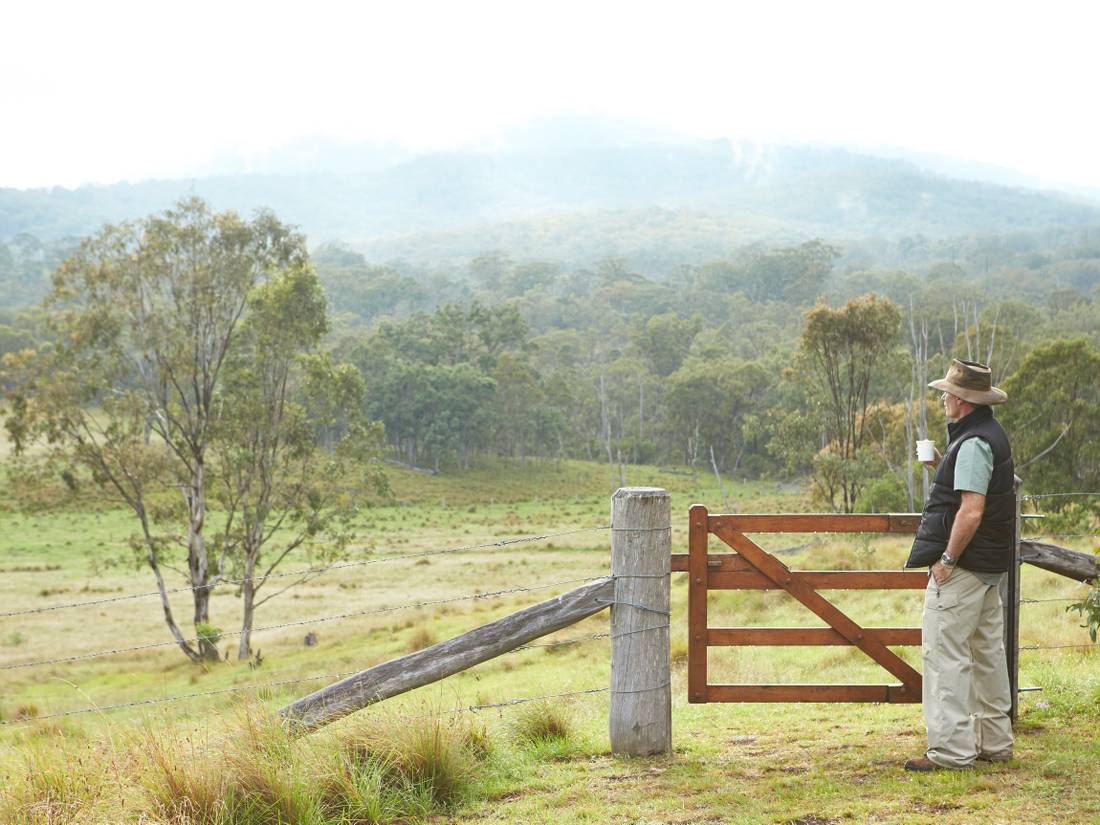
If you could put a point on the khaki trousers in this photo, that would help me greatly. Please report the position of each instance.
(966, 696)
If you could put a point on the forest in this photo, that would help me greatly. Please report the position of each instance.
(779, 360)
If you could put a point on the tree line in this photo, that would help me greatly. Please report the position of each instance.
(237, 393)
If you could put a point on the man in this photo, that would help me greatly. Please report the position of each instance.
(965, 537)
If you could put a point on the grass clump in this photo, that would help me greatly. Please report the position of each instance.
(180, 785)
(58, 784)
(420, 638)
(542, 722)
(431, 763)
(373, 774)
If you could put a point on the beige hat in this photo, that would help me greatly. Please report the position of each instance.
(971, 382)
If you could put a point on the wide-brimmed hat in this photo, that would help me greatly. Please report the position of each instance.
(971, 382)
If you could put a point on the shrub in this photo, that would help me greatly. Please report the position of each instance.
(208, 633)
(885, 494)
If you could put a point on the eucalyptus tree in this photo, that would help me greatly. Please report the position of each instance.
(146, 315)
(278, 487)
(1054, 416)
(843, 348)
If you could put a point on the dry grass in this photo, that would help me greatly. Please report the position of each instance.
(220, 760)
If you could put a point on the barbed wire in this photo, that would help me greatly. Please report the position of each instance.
(304, 572)
(1055, 495)
(299, 623)
(314, 678)
(178, 698)
(1062, 536)
(282, 683)
(1056, 647)
(1059, 599)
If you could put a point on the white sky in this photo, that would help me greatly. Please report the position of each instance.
(102, 91)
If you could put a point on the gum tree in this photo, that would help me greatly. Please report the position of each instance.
(278, 487)
(843, 348)
(146, 315)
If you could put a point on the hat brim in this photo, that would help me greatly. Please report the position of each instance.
(991, 396)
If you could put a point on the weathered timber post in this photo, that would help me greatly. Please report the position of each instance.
(641, 557)
(446, 658)
(1010, 604)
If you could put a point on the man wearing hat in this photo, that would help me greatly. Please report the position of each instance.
(965, 537)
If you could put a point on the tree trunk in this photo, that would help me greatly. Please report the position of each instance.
(607, 431)
(718, 475)
(248, 598)
(197, 562)
(173, 628)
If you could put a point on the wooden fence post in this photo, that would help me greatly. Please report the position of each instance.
(1010, 602)
(641, 556)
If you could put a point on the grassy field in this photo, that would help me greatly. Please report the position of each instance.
(733, 763)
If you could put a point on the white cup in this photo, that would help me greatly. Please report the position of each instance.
(926, 450)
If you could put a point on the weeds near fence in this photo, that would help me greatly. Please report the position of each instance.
(378, 772)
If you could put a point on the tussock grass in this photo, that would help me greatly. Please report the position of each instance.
(382, 772)
(420, 638)
(542, 722)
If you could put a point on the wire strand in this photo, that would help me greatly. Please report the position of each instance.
(1055, 495)
(305, 572)
(282, 683)
(300, 623)
(1062, 536)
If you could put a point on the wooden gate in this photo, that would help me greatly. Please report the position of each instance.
(753, 568)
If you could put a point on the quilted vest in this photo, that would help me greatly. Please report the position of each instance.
(990, 551)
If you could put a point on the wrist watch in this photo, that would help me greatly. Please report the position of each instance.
(948, 561)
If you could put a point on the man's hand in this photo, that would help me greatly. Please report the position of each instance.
(971, 507)
(941, 572)
(935, 462)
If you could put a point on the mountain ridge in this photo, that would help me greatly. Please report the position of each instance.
(751, 191)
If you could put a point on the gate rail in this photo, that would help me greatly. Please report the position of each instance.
(751, 567)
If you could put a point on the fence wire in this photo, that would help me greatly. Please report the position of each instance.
(1062, 536)
(310, 571)
(1058, 495)
(299, 623)
(243, 688)
(326, 676)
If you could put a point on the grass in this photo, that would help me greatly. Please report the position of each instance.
(217, 758)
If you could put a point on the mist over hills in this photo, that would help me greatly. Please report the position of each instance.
(576, 193)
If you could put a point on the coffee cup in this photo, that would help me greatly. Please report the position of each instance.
(926, 450)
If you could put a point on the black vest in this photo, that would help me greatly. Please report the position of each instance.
(990, 551)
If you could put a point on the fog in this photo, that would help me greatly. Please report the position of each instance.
(129, 91)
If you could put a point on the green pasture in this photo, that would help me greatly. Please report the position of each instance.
(733, 763)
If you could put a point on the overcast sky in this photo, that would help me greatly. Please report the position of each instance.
(108, 90)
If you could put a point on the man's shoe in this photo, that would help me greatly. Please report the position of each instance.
(922, 764)
(995, 757)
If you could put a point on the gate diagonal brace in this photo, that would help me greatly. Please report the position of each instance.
(789, 581)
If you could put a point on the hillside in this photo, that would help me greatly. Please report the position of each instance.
(686, 198)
